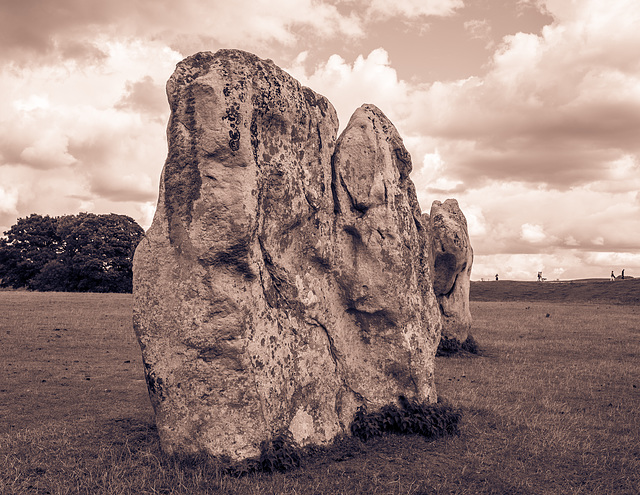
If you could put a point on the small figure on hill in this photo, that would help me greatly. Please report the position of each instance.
(539, 276)
(496, 276)
(622, 276)
(613, 277)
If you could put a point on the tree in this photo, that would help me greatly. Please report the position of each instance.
(29, 245)
(87, 253)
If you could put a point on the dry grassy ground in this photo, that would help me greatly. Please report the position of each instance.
(604, 291)
(551, 405)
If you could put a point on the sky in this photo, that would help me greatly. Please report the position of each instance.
(525, 111)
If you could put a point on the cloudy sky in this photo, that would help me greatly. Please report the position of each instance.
(525, 111)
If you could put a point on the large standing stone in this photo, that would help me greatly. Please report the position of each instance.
(452, 257)
(286, 278)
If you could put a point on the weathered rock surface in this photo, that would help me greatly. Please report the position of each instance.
(286, 278)
(452, 257)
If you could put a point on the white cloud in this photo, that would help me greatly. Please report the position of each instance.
(480, 29)
(147, 211)
(431, 175)
(269, 20)
(48, 150)
(565, 264)
(561, 264)
(47, 192)
(571, 241)
(75, 140)
(32, 102)
(532, 233)
(516, 266)
(554, 108)
(64, 30)
(369, 79)
(512, 218)
(618, 260)
(50, 33)
(413, 8)
(476, 222)
(8, 200)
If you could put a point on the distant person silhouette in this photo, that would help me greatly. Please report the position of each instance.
(613, 277)
(622, 274)
(496, 276)
(539, 276)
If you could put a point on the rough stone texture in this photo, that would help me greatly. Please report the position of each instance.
(452, 257)
(286, 278)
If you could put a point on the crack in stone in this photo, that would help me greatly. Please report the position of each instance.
(336, 361)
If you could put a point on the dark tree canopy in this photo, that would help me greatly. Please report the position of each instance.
(30, 244)
(72, 253)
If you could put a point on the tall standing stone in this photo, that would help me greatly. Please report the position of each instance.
(286, 278)
(382, 259)
(452, 257)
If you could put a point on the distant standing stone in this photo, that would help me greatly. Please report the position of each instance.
(453, 258)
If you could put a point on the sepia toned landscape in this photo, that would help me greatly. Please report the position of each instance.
(237, 242)
(549, 405)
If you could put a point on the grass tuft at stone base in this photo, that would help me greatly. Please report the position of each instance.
(412, 417)
(450, 347)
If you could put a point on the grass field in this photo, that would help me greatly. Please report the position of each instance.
(550, 406)
(604, 291)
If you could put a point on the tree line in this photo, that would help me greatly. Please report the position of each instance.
(70, 253)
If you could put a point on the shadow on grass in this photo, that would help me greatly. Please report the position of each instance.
(281, 453)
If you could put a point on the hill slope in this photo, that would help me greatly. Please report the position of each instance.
(593, 290)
